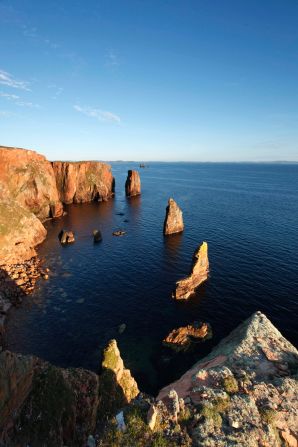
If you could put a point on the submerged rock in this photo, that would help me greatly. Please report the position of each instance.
(181, 339)
(97, 236)
(132, 184)
(66, 237)
(121, 328)
(174, 220)
(199, 273)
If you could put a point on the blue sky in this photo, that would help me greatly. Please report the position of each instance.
(150, 80)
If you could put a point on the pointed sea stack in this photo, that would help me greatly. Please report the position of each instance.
(199, 273)
(174, 220)
(117, 386)
(133, 184)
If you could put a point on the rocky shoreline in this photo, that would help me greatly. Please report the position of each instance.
(17, 281)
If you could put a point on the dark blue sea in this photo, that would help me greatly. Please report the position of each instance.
(248, 214)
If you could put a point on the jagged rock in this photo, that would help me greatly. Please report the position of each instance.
(245, 392)
(133, 184)
(97, 236)
(117, 386)
(83, 181)
(28, 178)
(181, 339)
(174, 220)
(66, 237)
(199, 273)
(44, 405)
(152, 417)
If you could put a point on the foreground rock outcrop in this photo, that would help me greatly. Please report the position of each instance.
(199, 273)
(28, 178)
(84, 181)
(133, 184)
(244, 393)
(174, 219)
(43, 405)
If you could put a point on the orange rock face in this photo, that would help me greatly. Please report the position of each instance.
(133, 184)
(85, 181)
(180, 339)
(28, 178)
(173, 221)
(199, 274)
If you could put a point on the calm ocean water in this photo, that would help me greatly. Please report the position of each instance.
(248, 214)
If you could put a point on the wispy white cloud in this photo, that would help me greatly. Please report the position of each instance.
(9, 96)
(18, 101)
(112, 59)
(10, 81)
(100, 115)
(29, 104)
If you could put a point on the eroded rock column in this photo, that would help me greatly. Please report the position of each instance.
(133, 184)
(199, 273)
(174, 219)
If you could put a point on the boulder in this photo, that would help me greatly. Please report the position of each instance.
(133, 184)
(84, 181)
(97, 236)
(199, 273)
(174, 220)
(66, 237)
(181, 339)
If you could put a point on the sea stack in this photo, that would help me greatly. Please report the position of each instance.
(174, 220)
(199, 273)
(133, 184)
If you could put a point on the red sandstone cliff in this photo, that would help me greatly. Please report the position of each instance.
(32, 189)
(28, 178)
(84, 181)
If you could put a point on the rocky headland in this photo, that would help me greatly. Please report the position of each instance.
(199, 273)
(84, 181)
(174, 219)
(32, 190)
(133, 184)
